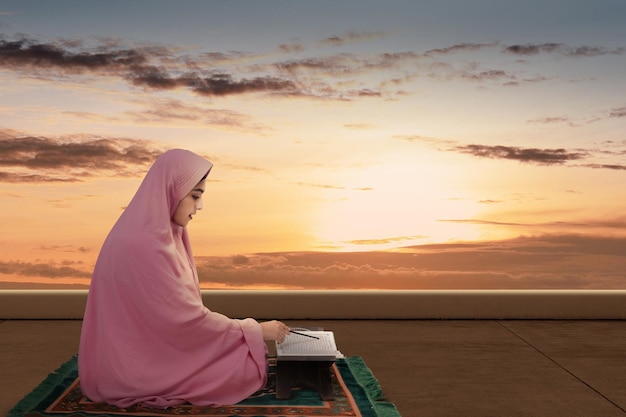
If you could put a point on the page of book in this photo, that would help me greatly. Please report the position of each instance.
(300, 347)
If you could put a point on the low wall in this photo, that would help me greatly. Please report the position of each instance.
(335, 304)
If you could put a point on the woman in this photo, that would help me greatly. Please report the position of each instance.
(146, 336)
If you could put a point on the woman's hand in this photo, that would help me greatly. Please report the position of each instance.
(274, 330)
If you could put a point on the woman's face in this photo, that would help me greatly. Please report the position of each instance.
(188, 206)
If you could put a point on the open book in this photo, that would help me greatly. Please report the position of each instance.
(298, 347)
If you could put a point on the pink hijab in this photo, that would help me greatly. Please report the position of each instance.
(146, 336)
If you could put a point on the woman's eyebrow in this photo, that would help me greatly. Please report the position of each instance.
(198, 190)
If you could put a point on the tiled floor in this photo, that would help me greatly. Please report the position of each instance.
(426, 367)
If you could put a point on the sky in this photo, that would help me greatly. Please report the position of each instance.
(444, 144)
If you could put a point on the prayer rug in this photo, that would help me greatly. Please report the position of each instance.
(357, 394)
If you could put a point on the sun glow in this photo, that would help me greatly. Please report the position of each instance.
(401, 202)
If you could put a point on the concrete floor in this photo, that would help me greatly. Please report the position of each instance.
(426, 367)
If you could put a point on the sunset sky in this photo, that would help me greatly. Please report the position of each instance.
(356, 144)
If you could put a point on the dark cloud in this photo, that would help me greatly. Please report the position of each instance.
(216, 58)
(618, 167)
(161, 68)
(152, 67)
(489, 75)
(561, 49)
(525, 80)
(213, 85)
(240, 260)
(557, 156)
(345, 64)
(352, 37)
(590, 51)
(611, 147)
(461, 47)
(219, 74)
(37, 55)
(37, 159)
(528, 155)
(290, 48)
(619, 112)
(532, 49)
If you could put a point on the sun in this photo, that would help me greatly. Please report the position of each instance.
(401, 202)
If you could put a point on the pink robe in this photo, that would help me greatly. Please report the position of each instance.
(146, 336)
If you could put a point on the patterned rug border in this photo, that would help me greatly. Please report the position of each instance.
(352, 374)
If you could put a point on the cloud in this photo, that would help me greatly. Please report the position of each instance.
(345, 64)
(64, 248)
(619, 112)
(43, 159)
(545, 156)
(12, 177)
(479, 221)
(352, 37)
(560, 261)
(385, 240)
(543, 262)
(160, 68)
(561, 49)
(528, 155)
(358, 126)
(159, 111)
(443, 70)
(332, 187)
(490, 75)
(342, 76)
(617, 224)
(552, 120)
(460, 47)
(290, 48)
(618, 167)
(41, 269)
(213, 85)
(532, 49)
(154, 67)
(611, 147)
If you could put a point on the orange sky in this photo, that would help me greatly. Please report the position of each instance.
(447, 149)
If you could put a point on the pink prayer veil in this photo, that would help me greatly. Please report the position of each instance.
(170, 178)
(148, 218)
(147, 337)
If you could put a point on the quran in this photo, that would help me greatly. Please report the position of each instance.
(308, 345)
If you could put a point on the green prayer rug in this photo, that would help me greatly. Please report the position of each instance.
(357, 393)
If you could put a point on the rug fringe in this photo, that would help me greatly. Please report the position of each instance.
(44, 389)
(366, 379)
